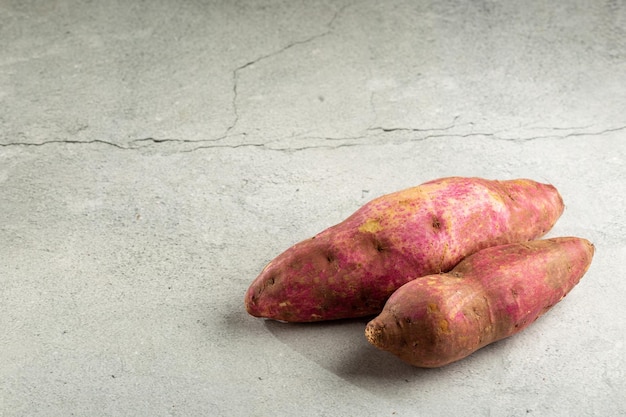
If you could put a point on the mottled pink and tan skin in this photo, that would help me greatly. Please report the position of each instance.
(495, 293)
(351, 269)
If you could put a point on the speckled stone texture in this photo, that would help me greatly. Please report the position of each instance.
(154, 156)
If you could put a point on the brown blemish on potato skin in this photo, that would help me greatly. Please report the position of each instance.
(444, 326)
(371, 226)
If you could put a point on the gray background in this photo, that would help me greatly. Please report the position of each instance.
(154, 156)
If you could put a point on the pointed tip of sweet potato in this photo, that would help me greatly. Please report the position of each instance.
(382, 330)
(250, 303)
(374, 332)
(255, 300)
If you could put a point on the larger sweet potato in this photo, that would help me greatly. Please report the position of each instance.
(490, 295)
(351, 269)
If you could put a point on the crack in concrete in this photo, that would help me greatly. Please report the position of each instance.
(568, 135)
(237, 71)
(333, 138)
(267, 145)
(415, 129)
(226, 146)
(68, 141)
(166, 140)
(493, 135)
(600, 133)
(331, 141)
(465, 135)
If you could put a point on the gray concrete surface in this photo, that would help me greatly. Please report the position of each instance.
(155, 155)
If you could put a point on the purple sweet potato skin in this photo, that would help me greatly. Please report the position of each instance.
(490, 295)
(351, 269)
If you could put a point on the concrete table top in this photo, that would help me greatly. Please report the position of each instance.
(154, 156)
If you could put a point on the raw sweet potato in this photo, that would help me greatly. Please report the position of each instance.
(490, 295)
(350, 269)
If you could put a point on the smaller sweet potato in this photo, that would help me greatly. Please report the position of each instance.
(490, 295)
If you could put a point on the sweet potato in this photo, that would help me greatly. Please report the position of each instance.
(490, 295)
(350, 269)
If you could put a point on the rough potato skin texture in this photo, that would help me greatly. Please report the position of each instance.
(490, 295)
(351, 269)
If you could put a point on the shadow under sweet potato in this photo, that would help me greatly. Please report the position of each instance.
(340, 347)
